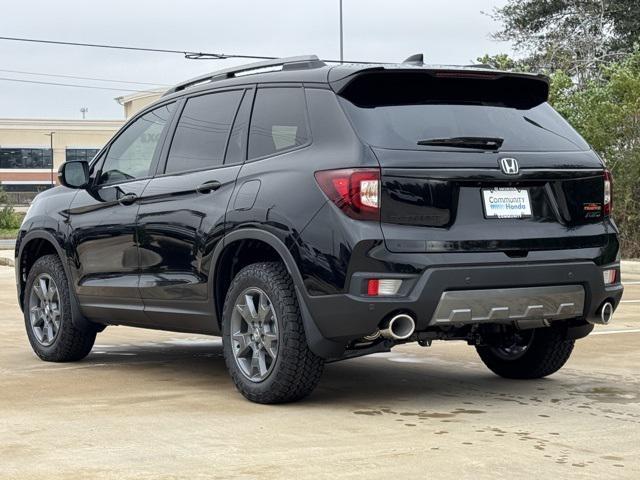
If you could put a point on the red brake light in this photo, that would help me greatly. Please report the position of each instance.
(608, 193)
(356, 191)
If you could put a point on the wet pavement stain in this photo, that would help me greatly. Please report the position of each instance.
(610, 395)
(612, 457)
(421, 415)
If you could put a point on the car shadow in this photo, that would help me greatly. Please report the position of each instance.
(373, 381)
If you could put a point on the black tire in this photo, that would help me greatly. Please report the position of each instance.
(296, 370)
(70, 344)
(546, 353)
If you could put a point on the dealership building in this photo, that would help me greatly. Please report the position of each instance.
(31, 150)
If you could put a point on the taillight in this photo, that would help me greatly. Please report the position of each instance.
(608, 193)
(356, 191)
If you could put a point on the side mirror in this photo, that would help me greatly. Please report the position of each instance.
(74, 174)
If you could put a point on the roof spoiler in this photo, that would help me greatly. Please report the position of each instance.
(378, 87)
(303, 62)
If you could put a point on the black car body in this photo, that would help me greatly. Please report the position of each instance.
(270, 162)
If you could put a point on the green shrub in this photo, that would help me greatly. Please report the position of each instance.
(9, 219)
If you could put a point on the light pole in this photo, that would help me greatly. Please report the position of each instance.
(341, 36)
(50, 135)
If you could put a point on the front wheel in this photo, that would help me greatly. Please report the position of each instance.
(265, 347)
(530, 354)
(48, 316)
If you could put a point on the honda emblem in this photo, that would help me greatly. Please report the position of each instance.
(509, 166)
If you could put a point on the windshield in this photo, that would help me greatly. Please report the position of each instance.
(404, 126)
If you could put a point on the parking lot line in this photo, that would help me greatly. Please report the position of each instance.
(611, 332)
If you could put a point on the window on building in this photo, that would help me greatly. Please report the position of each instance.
(201, 135)
(81, 153)
(279, 121)
(25, 158)
(131, 154)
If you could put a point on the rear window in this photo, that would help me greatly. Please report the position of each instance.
(397, 112)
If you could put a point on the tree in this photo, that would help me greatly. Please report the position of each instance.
(607, 114)
(576, 36)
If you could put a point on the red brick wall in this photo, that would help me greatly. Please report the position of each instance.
(28, 176)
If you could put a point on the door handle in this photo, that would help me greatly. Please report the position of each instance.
(127, 199)
(208, 187)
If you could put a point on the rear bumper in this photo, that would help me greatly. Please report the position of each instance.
(351, 316)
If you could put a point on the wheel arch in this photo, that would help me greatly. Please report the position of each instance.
(34, 245)
(273, 249)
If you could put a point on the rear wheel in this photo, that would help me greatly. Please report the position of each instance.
(265, 347)
(532, 353)
(47, 314)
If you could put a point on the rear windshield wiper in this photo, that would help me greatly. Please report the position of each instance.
(483, 143)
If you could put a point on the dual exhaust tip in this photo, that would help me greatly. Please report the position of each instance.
(398, 327)
(606, 312)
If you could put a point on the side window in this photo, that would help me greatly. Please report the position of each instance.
(236, 149)
(131, 154)
(279, 121)
(201, 135)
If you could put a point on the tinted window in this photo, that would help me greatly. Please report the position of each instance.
(202, 131)
(81, 153)
(279, 121)
(25, 158)
(236, 150)
(131, 154)
(401, 126)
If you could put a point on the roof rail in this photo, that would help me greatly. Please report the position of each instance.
(302, 62)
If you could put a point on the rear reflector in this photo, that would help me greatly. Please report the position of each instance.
(609, 276)
(356, 191)
(383, 287)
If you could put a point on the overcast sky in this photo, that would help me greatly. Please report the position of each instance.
(449, 32)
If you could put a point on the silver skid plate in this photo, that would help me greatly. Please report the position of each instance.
(504, 305)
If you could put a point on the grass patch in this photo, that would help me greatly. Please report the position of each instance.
(8, 233)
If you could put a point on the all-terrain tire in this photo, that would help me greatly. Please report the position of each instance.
(545, 355)
(70, 344)
(296, 370)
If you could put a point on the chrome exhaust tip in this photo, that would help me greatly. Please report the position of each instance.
(400, 327)
(606, 312)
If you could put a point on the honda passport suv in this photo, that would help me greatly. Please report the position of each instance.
(310, 213)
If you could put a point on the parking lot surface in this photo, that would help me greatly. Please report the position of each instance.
(151, 405)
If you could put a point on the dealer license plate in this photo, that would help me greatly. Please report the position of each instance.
(506, 203)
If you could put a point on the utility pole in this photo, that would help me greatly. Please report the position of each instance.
(341, 36)
(50, 135)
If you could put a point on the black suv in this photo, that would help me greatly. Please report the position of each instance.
(310, 213)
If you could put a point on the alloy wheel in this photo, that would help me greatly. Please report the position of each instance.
(45, 309)
(516, 347)
(254, 334)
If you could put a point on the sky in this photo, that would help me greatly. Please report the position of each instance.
(447, 32)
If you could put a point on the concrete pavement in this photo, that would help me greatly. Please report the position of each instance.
(155, 405)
